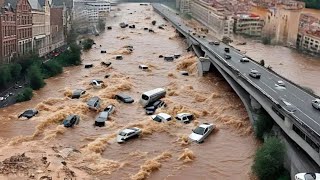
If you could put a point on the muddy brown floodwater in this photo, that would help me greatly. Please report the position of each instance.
(162, 151)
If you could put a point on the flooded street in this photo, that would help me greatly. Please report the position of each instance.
(162, 151)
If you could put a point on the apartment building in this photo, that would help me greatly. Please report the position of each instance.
(57, 27)
(91, 10)
(41, 39)
(8, 38)
(248, 24)
(24, 25)
(309, 41)
(216, 18)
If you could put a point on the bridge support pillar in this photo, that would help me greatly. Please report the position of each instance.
(254, 103)
(203, 65)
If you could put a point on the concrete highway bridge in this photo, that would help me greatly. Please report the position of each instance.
(289, 106)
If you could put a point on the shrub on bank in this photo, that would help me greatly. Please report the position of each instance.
(25, 95)
(51, 68)
(268, 160)
(71, 57)
(263, 124)
(87, 44)
(35, 77)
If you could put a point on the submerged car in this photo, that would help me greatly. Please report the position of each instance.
(119, 57)
(94, 103)
(78, 93)
(185, 117)
(201, 132)
(71, 120)
(161, 117)
(128, 133)
(168, 58)
(101, 119)
(97, 83)
(307, 176)
(109, 109)
(255, 74)
(184, 73)
(124, 98)
(316, 104)
(28, 113)
(143, 67)
(152, 108)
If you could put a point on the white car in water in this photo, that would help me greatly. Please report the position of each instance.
(201, 132)
(128, 133)
(307, 176)
(97, 83)
(184, 117)
(161, 117)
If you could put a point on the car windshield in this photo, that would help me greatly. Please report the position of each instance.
(28, 112)
(122, 133)
(199, 130)
(145, 97)
(157, 118)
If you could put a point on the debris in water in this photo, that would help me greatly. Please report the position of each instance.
(151, 165)
(187, 155)
(16, 164)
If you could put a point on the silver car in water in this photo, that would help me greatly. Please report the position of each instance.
(201, 132)
(128, 133)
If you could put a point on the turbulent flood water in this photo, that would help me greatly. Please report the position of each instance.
(162, 151)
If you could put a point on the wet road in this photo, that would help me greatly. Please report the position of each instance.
(161, 152)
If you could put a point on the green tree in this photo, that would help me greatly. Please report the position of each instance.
(51, 68)
(35, 77)
(315, 4)
(268, 160)
(263, 124)
(5, 75)
(15, 70)
(101, 25)
(25, 95)
(87, 44)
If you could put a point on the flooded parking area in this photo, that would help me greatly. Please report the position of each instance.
(162, 151)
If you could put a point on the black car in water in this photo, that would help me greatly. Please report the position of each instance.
(71, 120)
(124, 98)
(28, 113)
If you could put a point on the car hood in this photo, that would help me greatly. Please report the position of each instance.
(195, 137)
(119, 138)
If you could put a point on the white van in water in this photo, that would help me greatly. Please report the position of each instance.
(152, 96)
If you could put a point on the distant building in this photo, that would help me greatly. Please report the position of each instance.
(248, 24)
(216, 18)
(22, 9)
(8, 38)
(91, 10)
(308, 38)
(41, 39)
(309, 41)
(67, 7)
(57, 28)
(282, 25)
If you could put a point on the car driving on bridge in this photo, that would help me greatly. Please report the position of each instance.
(244, 59)
(227, 56)
(255, 74)
(316, 103)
